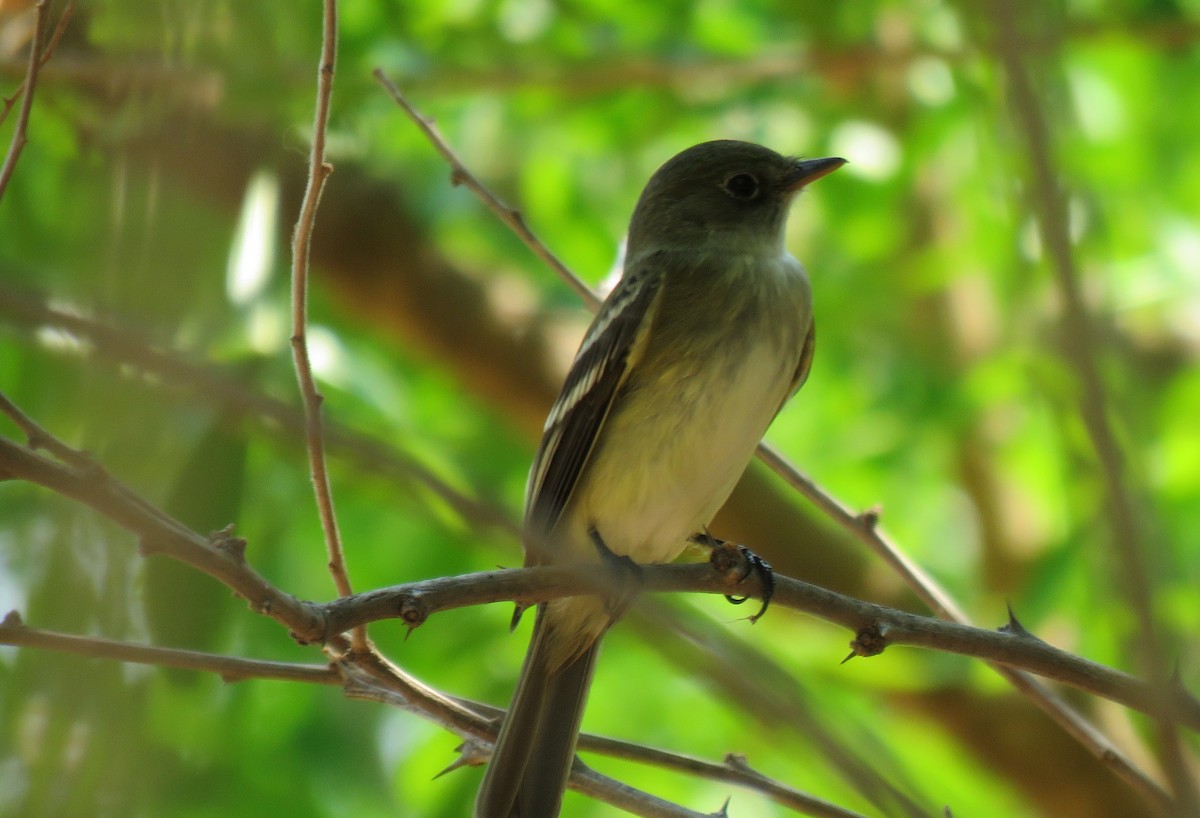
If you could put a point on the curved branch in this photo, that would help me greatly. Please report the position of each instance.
(221, 555)
(314, 433)
(483, 720)
(19, 137)
(229, 668)
(875, 626)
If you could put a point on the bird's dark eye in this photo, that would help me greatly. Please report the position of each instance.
(742, 186)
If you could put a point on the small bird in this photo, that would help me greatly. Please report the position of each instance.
(708, 333)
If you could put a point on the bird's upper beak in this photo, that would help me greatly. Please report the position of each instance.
(807, 171)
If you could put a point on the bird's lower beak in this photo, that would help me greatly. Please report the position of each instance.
(808, 171)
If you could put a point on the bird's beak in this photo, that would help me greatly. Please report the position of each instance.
(808, 171)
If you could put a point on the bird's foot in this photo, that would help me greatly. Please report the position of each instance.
(731, 558)
(625, 576)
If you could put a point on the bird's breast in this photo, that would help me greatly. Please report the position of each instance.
(687, 421)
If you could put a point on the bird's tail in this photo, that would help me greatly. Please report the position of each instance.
(536, 746)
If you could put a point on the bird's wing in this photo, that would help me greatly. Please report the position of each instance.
(803, 367)
(611, 348)
(806, 358)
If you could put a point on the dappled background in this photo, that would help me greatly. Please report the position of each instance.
(144, 317)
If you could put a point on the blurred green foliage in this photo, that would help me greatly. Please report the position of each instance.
(938, 390)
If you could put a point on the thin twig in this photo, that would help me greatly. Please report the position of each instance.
(229, 668)
(366, 686)
(737, 670)
(625, 798)
(20, 137)
(380, 680)
(459, 175)
(862, 526)
(318, 173)
(735, 770)
(865, 528)
(47, 53)
(38, 438)
(220, 556)
(1079, 347)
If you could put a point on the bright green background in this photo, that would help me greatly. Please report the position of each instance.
(938, 391)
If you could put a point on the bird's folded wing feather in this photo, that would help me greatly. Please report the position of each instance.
(806, 359)
(609, 351)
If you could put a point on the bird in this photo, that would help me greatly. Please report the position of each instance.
(688, 360)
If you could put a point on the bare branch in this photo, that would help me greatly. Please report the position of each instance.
(221, 556)
(20, 137)
(47, 53)
(591, 783)
(734, 770)
(375, 678)
(38, 438)
(459, 175)
(318, 173)
(229, 668)
(877, 625)
(865, 528)
(481, 719)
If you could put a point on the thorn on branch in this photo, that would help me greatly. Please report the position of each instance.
(519, 609)
(869, 641)
(413, 611)
(723, 812)
(224, 541)
(868, 519)
(1177, 687)
(1015, 627)
(12, 619)
(458, 177)
(1176, 678)
(736, 761)
(471, 753)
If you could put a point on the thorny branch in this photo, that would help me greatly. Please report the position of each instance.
(863, 527)
(318, 173)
